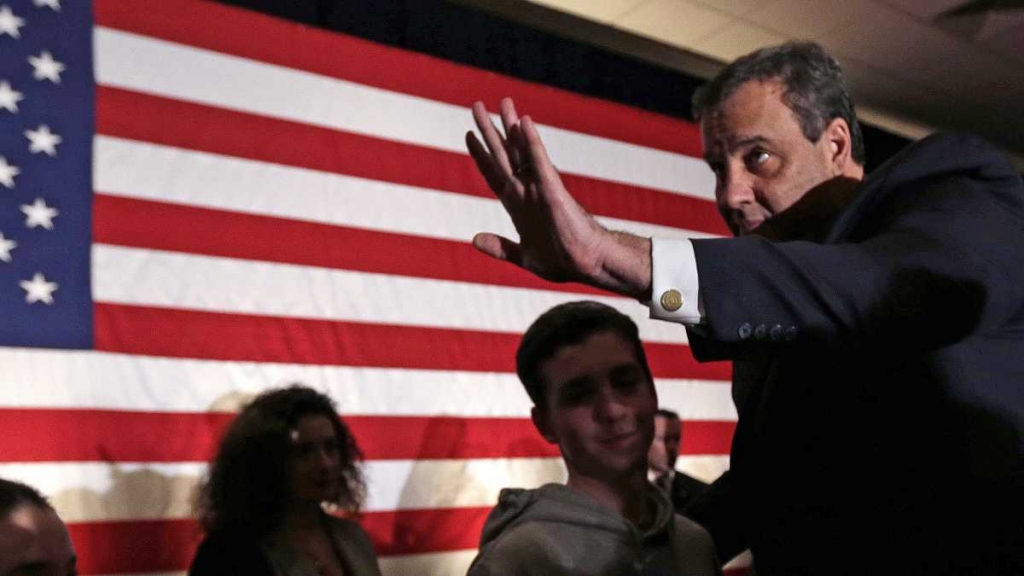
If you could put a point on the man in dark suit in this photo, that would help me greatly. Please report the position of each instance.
(876, 324)
(661, 462)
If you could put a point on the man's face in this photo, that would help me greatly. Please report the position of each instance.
(762, 161)
(34, 542)
(600, 407)
(665, 449)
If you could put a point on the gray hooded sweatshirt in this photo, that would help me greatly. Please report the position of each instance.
(556, 530)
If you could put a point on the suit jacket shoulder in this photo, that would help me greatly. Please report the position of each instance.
(939, 223)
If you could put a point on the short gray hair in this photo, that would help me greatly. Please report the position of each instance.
(813, 81)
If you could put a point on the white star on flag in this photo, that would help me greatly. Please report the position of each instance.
(39, 214)
(7, 173)
(38, 289)
(55, 4)
(9, 97)
(6, 245)
(46, 68)
(42, 140)
(9, 23)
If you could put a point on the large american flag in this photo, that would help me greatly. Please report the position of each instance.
(198, 203)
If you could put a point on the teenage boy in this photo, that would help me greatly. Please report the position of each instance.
(585, 370)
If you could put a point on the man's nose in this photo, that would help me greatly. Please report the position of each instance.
(735, 193)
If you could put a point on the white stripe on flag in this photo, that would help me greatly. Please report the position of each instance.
(173, 280)
(432, 564)
(166, 174)
(101, 491)
(37, 378)
(137, 63)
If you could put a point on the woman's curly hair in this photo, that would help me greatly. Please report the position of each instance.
(246, 488)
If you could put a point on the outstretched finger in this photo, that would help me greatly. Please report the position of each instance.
(485, 163)
(536, 155)
(494, 141)
(499, 247)
(509, 121)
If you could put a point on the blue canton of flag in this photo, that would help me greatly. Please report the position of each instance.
(46, 127)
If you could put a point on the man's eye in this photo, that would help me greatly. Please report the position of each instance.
(757, 157)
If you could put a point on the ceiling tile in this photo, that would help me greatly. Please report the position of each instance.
(736, 39)
(603, 11)
(734, 7)
(976, 75)
(1007, 42)
(676, 22)
(876, 88)
(925, 9)
(895, 42)
(808, 19)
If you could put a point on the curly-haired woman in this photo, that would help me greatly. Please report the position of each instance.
(284, 457)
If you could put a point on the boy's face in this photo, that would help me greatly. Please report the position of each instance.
(600, 407)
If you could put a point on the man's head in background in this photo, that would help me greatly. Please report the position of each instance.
(777, 123)
(585, 369)
(33, 539)
(668, 434)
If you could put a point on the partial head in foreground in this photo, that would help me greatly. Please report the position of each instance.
(668, 434)
(33, 539)
(585, 369)
(777, 123)
(288, 447)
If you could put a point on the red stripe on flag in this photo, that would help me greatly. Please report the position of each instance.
(80, 435)
(158, 226)
(134, 547)
(179, 333)
(258, 37)
(169, 545)
(434, 530)
(143, 117)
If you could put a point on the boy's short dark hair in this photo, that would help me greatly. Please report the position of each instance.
(566, 325)
(14, 494)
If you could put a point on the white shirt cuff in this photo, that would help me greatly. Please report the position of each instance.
(675, 294)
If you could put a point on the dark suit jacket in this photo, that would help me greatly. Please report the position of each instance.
(683, 490)
(878, 375)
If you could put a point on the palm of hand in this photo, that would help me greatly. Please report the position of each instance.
(559, 240)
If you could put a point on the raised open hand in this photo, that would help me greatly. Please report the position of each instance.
(558, 239)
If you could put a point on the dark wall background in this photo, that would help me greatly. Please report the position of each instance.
(464, 35)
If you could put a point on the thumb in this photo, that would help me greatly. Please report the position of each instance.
(498, 247)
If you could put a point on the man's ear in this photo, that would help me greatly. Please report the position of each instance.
(839, 145)
(540, 421)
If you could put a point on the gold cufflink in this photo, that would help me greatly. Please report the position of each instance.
(672, 300)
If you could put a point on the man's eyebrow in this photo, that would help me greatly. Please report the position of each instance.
(710, 156)
(744, 142)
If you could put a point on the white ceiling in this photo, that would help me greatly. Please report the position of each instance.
(909, 68)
